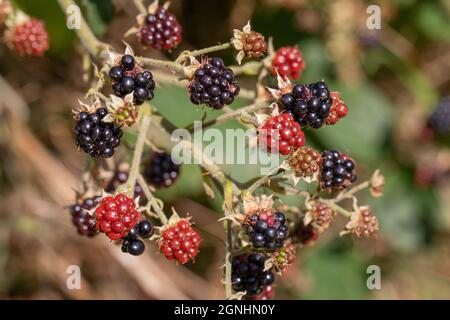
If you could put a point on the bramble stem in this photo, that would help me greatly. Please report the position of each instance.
(137, 156)
(258, 183)
(151, 199)
(228, 211)
(349, 193)
(337, 208)
(174, 66)
(194, 53)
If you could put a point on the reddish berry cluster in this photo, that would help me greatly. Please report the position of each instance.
(281, 133)
(29, 38)
(180, 242)
(161, 30)
(305, 161)
(254, 45)
(288, 62)
(82, 220)
(338, 109)
(116, 216)
(284, 257)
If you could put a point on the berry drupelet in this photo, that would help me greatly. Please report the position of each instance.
(81, 219)
(116, 216)
(248, 274)
(281, 133)
(95, 137)
(267, 231)
(128, 77)
(161, 30)
(288, 63)
(308, 104)
(213, 84)
(161, 171)
(131, 244)
(439, 120)
(338, 170)
(180, 242)
(338, 109)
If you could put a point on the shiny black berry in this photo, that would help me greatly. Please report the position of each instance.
(135, 247)
(248, 274)
(127, 61)
(338, 170)
(310, 104)
(213, 84)
(81, 219)
(95, 137)
(145, 229)
(116, 73)
(161, 171)
(267, 231)
(439, 120)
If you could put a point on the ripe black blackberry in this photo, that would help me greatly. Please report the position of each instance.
(131, 244)
(248, 274)
(128, 77)
(161, 30)
(267, 231)
(161, 171)
(213, 84)
(338, 170)
(308, 104)
(439, 120)
(84, 222)
(95, 137)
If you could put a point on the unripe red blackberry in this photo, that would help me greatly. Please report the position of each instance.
(95, 137)
(308, 104)
(254, 45)
(267, 231)
(161, 30)
(29, 38)
(248, 274)
(305, 162)
(288, 62)
(338, 109)
(127, 77)
(281, 133)
(180, 242)
(84, 222)
(161, 171)
(338, 170)
(213, 84)
(116, 216)
(439, 120)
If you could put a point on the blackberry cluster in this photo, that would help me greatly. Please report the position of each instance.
(127, 78)
(254, 45)
(338, 170)
(267, 231)
(84, 222)
(161, 30)
(248, 274)
(95, 137)
(439, 120)
(131, 244)
(161, 172)
(213, 84)
(308, 104)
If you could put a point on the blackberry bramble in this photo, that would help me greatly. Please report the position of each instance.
(128, 78)
(308, 104)
(248, 274)
(160, 30)
(338, 170)
(81, 219)
(161, 171)
(213, 84)
(94, 136)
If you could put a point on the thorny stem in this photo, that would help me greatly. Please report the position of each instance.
(152, 200)
(228, 210)
(181, 58)
(160, 63)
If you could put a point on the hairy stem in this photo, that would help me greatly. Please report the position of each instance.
(258, 183)
(152, 200)
(199, 52)
(337, 208)
(350, 192)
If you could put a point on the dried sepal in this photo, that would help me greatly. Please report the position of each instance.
(84, 107)
(376, 184)
(284, 86)
(319, 215)
(190, 68)
(248, 43)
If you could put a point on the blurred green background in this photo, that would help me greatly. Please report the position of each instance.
(391, 79)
